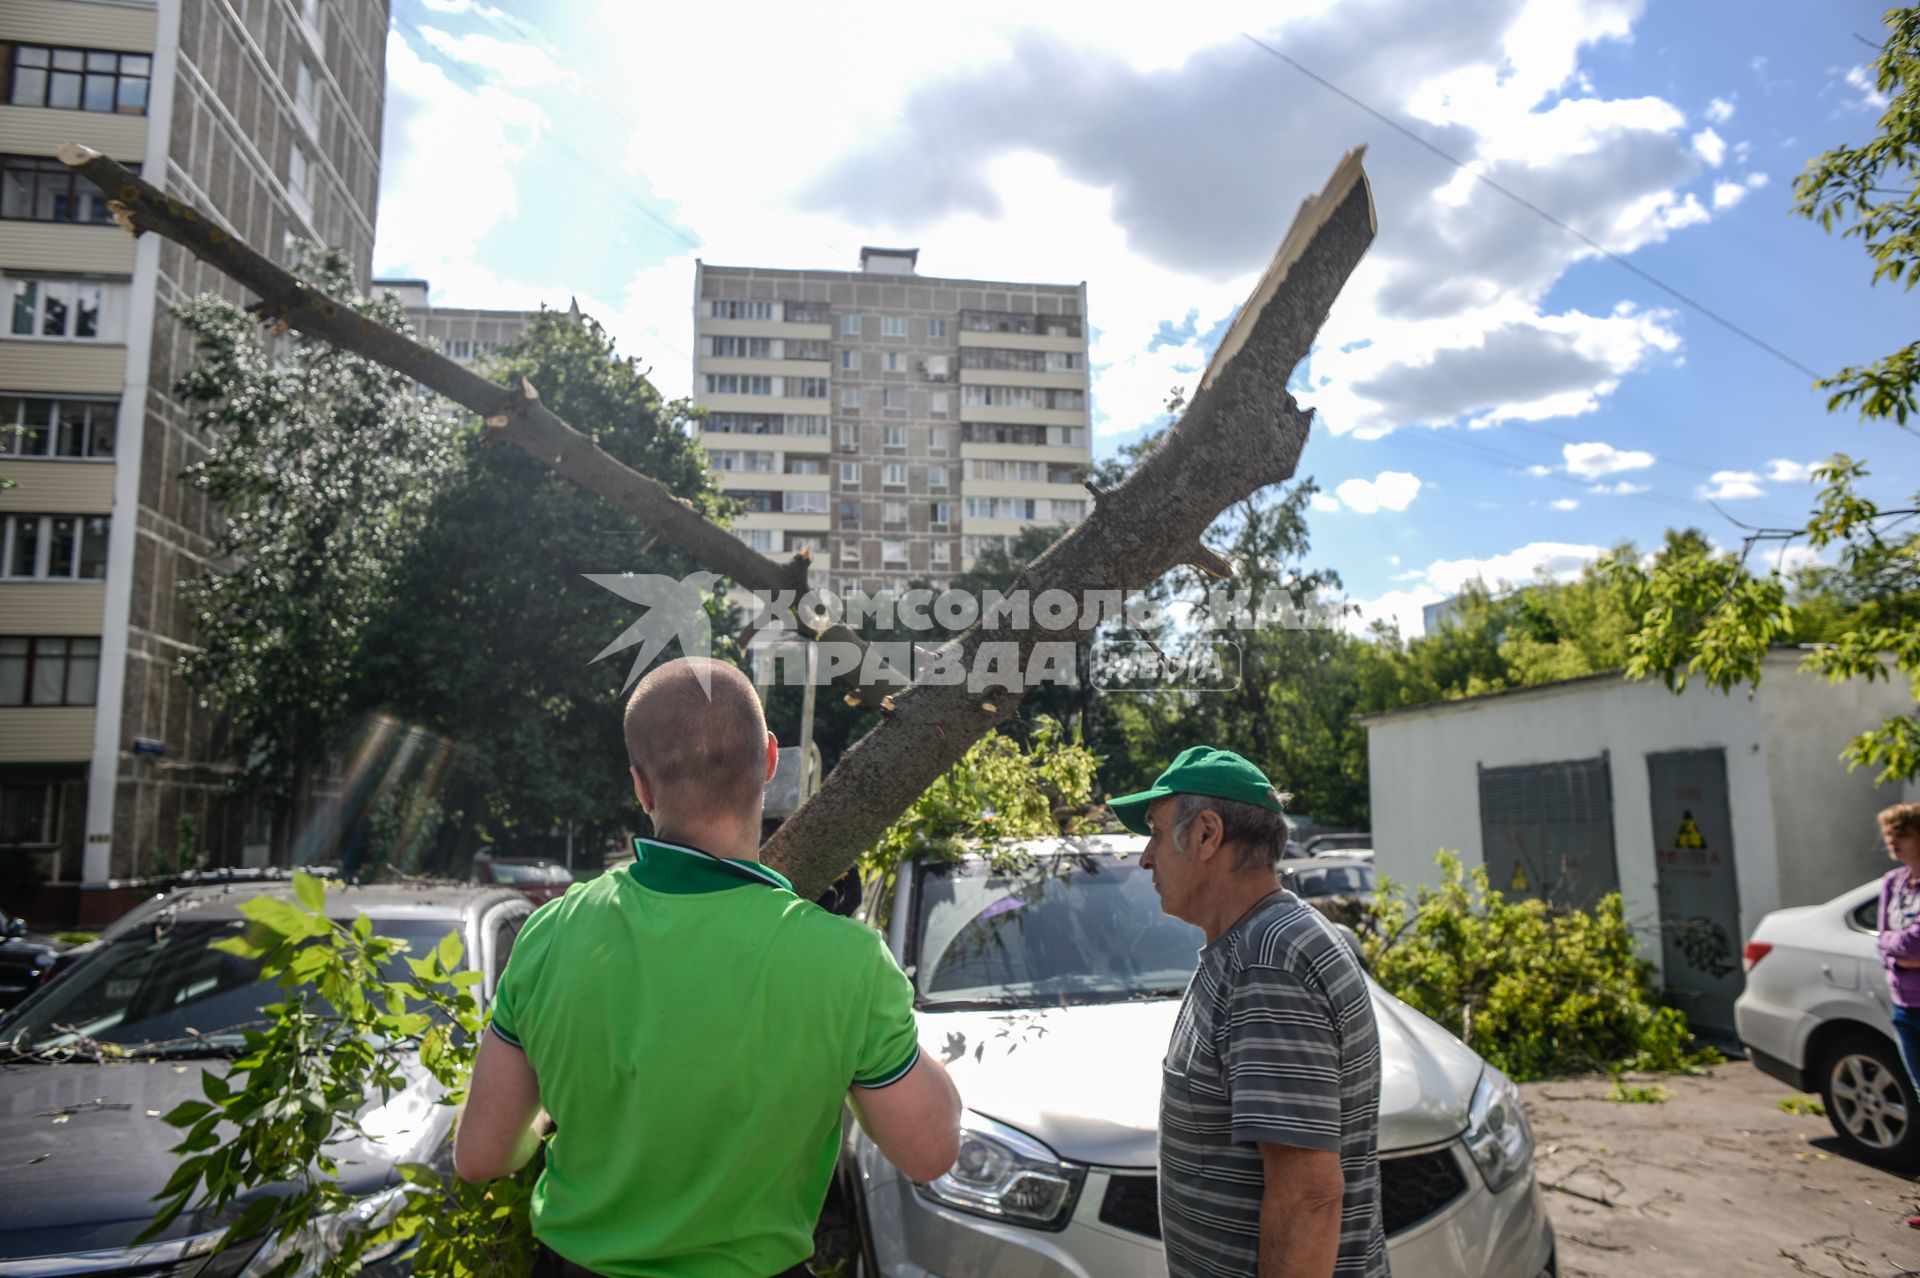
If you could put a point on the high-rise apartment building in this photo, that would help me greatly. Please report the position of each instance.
(894, 423)
(267, 113)
(462, 333)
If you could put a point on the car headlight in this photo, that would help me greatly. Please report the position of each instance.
(325, 1236)
(1498, 1136)
(1004, 1174)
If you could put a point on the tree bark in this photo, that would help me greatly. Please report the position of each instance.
(1240, 432)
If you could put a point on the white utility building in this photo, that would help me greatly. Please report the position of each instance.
(1704, 810)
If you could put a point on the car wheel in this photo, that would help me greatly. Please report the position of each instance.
(1870, 1101)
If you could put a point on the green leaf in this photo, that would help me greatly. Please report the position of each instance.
(215, 1088)
(310, 891)
(419, 1174)
(283, 917)
(468, 977)
(449, 951)
(187, 1113)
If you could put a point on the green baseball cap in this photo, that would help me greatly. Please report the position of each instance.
(1218, 774)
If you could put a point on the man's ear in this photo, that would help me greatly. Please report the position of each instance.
(773, 755)
(1204, 835)
(641, 790)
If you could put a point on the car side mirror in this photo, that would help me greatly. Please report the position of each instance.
(15, 928)
(1352, 938)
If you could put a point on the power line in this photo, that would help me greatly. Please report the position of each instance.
(1531, 207)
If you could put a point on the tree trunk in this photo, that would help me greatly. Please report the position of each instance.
(1241, 432)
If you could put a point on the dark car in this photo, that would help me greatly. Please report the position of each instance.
(537, 879)
(86, 1150)
(25, 959)
(1330, 875)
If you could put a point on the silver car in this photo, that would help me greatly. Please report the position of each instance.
(1050, 988)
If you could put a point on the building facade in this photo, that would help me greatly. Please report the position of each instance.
(267, 113)
(1704, 810)
(463, 334)
(893, 423)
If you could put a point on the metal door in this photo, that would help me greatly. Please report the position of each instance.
(1546, 831)
(1699, 890)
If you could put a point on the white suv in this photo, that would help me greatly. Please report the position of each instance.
(1816, 1015)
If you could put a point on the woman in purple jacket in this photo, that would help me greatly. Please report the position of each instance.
(1900, 928)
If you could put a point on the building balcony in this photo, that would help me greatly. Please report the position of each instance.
(70, 486)
(764, 481)
(762, 404)
(709, 327)
(44, 130)
(970, 487)
(812, 445)
(1021, 452)
(46, 734)
(1020, 324)
(1007, 415)
(1063, 379)
(74, 368)
(787, 520)
(1002, 527)
(53, 607)
(766, 367)
(84, 249)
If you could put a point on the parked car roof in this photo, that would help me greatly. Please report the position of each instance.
(427, 899)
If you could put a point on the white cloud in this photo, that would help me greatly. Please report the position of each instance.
(1540, 472)
(1732, 485)
(1565, 503)
(1326, 503)
(1389, 490)
(1710, 147)
(1719, 110)
(1782, 471)
(1620, 489)
(510, 63)
(1870, 96)
(1444, 578)
(1728, 194)
(1398, 608)
(1595, 460)
(1757, 180)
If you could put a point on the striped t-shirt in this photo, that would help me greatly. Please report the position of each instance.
(1276, 1043)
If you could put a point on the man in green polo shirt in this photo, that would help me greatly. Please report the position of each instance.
(693, 1027)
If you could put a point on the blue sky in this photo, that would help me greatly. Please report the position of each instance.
(1494, 398)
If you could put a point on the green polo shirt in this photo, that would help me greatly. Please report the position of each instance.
(695, 1027)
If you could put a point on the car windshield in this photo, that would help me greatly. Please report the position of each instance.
(1070, 928)
(163, 986)
(1332, 880)
(507, 872)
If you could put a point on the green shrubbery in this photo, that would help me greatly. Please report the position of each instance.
(1536, 991)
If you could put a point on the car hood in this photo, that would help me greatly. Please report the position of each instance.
(86, 1150)
(1086, 1080)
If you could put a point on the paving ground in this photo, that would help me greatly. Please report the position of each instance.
(1717, 1180)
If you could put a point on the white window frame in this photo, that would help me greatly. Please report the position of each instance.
(850, 324)
(300, 180)
(942, 554)
(893, 398)
(849, 474)
(942, 513)
(893, 475)
(894, 364)
(893, 553)
(801, 501)
(936, 476)
(937, 404)
(893, 326)
(893, 437)
(850, 398)
(937, 439)
(850, 361)
(306, 98)
(43, 547)
(45, 289)
(936, 328)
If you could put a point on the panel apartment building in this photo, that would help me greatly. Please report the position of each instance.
(267, 112)
(894, 423)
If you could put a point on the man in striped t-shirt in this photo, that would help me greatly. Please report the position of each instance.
(1270, 1091)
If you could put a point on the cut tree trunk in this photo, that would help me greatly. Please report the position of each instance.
(1241, 432)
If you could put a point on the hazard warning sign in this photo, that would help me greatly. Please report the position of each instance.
(1689, 836)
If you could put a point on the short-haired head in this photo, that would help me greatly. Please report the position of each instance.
(697, 735)
(1901, 818)
(1257, 835)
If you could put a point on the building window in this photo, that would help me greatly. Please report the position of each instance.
(936, 328)
(894, 475)
(1065, 436)
(807, 387)
(1000, 508)
(849, 438)
(798, 503)
(1069, 512)
(32, 426)
(760, 539)
(894, 364)
(850, 551)
(806, 466)
(39, 671)
(849, 514)
(300, 181)
(739, 347)
(942, 513)
(79, 79)
(942, 553)
(893, 512)
(34, 188)
(737, 459)
(728, 308)
(460, 349)
(850, 325)
(850, 398)
(894, 436)
(937, 404)
(893, 326)
(849, 474)
(30, 815)
(893, 397)
(306, 100)
(54, 547)
(937, 439)
(805, 423)
(740, 384)
(893, 554)
(850, 361)
(936, 476)
(53, 308)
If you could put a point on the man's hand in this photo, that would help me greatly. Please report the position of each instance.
(1300, 1211)
(1906, 963)
(497, 1133)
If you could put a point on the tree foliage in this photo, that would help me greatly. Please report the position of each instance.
(1536, 990)
(352, 1029)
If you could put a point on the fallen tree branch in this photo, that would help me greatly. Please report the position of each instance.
(1241, 432)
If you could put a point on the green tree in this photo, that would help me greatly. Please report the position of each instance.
(1711, 615)
(324, 465)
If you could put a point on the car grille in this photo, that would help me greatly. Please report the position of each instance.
(1416, 1186)
(1413, 1188)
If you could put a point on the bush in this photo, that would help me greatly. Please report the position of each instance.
(1535, 990)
